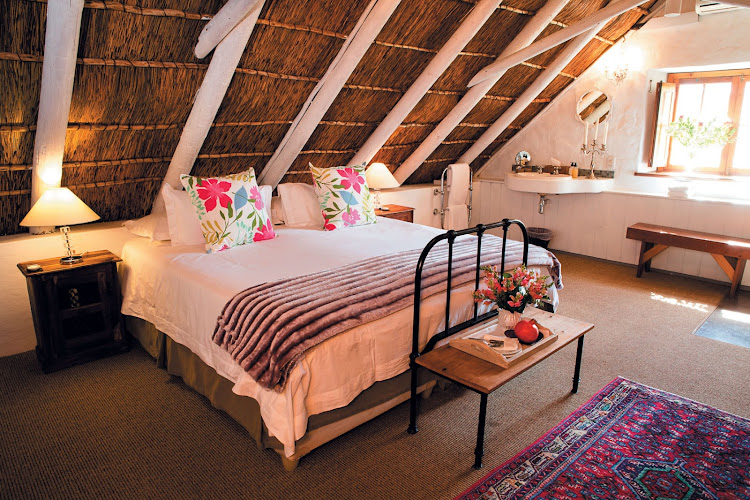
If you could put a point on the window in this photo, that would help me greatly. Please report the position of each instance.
(706, 97)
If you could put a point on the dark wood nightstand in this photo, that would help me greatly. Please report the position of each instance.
(76, 309)
(396, 212)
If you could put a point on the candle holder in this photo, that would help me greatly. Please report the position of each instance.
(593, 151)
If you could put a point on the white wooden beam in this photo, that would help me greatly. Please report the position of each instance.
(207, 101)
(447, 54)
(565, 34)
(229, 16)
(533, 28)
(369, 25)
(58, 73)
(532, 92)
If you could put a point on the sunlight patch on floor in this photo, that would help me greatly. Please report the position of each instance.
(681, 302)
(735, 316)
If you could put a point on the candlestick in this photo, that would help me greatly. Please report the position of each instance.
(606, 130)
(596, 132)
(586, 135)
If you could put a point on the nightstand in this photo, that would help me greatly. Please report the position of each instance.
(76, 309)
(397, 212)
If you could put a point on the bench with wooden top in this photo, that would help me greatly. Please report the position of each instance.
(485, 378)
(655, 239)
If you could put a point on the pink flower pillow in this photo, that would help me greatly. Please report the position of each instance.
(343, 195)
(230, 209)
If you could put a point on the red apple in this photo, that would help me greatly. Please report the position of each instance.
(526, 331)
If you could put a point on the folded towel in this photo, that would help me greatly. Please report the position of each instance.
(458, 183)
(456, 217)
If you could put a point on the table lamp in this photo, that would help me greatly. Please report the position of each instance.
(379, 177)
(60, 207)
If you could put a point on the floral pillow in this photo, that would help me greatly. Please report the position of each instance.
(343, 195)
(230, 210)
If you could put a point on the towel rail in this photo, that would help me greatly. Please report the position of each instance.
(443, 179)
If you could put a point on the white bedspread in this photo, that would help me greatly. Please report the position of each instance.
(182, 290)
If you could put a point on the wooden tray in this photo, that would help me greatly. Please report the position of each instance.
(477, 347)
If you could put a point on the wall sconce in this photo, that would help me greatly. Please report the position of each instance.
(620, 60)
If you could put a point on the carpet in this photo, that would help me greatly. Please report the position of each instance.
(730, 321)
(630, 441)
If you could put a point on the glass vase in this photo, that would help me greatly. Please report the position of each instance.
(509, 319)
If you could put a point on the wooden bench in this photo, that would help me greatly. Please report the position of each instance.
(655, 239)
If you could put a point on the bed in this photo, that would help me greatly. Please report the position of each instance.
(172, 296)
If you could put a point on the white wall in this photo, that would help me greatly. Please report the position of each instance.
(17, 332)
(595, 224)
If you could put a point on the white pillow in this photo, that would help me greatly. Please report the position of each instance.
(266, 193)
(277, 212)
(300, 206)
(154, 226)
(184, 226)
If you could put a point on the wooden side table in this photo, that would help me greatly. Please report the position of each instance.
(76, 309)
(484, 377)
(398, 212)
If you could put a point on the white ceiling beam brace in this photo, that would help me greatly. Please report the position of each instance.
(207, 101)
(229, 16)
(474, 95)
(469, 27)
(325, 92)
(58, 73)
(555, 39)
(532, 92)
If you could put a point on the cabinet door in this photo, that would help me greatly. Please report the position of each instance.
(83, 302)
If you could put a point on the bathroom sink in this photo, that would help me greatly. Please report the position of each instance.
(546, 183)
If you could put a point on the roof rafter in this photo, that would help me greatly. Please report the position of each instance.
(475, 94)
(211, 93)
(531, 93)
(370, 24)
(58, 73)
(229, 16)
(555, 39)
(437, 66)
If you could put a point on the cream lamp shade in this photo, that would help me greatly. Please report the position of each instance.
(59, 207)
(379, 177)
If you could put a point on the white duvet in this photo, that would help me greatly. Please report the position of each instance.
(182, 290)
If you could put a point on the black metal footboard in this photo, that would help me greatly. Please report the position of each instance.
(451, 236)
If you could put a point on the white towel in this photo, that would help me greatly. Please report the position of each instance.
(458, 183)
(456, 217)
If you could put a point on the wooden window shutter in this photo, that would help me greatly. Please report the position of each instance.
(665, 99)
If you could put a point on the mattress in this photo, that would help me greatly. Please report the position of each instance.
(182, 290)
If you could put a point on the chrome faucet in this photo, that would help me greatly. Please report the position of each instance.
(556, 170)
(539, 169)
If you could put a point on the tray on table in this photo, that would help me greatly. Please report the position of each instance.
(473, 344)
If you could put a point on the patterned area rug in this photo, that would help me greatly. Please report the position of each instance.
(631, 441)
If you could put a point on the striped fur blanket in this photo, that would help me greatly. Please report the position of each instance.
(267, 328)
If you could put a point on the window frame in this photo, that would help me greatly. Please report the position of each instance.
(739, 78)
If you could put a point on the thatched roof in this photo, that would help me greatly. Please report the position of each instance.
(136, 77)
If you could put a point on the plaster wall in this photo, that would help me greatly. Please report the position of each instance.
(17, 332)
(595, 224)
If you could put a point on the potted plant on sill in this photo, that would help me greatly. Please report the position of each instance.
(694, 135)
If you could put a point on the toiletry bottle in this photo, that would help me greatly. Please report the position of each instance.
(573, 171)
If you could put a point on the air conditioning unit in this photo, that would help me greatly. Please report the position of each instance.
(705, 7)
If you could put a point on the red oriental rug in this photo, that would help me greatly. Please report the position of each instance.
(631, 441)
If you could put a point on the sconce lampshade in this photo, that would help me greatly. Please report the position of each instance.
(379, 177)
(58, 207)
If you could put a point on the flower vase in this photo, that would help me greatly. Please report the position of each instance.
(509, 319)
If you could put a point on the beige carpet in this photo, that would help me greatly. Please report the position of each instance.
(121, 428)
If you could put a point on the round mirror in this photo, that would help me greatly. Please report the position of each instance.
(594, 106)
(523, 158)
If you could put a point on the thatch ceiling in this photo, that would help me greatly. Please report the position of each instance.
(136, 77)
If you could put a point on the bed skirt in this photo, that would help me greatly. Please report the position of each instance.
(178, 360)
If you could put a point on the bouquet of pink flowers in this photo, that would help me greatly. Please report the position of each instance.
(512, 290)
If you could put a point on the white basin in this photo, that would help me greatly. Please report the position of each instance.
(533, 182)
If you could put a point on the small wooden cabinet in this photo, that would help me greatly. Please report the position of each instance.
(76, 309)
(396, 212)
